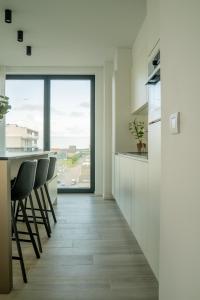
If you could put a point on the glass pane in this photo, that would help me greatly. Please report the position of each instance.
(70, 131)
(24, 122)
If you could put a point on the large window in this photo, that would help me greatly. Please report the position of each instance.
(70, 131)
(55, 113)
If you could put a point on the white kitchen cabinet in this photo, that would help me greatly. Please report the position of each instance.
(139, 70)
(137, 190)
(132, 176)
(153, 24)
(139, 224)
(125, 191)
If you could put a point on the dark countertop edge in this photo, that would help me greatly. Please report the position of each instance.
(143, 157)
(14, 155)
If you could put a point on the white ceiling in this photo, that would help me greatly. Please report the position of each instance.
(68, 32)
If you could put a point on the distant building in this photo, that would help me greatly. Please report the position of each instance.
(61, 153)
(72, 152)
(21, 138)
(72, 149)
(85, 171)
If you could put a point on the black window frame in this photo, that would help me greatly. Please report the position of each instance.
(47, 119)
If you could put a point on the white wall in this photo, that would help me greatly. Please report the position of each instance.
(98, 72)
(180, 205)
(107, 131)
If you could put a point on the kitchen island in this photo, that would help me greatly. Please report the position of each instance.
(9, 165)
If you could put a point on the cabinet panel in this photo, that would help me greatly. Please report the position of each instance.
(140, 213)
(121, 93)
(139, 78)
(125, 192)
(139, 70)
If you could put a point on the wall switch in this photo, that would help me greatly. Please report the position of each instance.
(174, 120)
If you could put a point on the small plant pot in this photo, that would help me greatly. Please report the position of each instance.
(144, 147)
(139, 147)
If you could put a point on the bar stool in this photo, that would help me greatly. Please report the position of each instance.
(40, 179)
(44, 173)
(20, 190)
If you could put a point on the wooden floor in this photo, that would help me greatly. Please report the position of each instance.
(92, 255)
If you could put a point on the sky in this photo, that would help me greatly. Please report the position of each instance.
(70, 110)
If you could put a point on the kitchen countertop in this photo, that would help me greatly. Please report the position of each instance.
(135, 155)
(15, 155)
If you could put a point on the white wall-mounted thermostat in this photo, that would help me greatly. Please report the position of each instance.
(175, 123)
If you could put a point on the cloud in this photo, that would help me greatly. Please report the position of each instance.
(38, 108)
(74, 130)
(58, 112)
(76, 114)
(85, 104)
(29, 107)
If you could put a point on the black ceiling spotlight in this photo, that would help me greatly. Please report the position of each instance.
(8, 15)
(28, 50)
(20, 35)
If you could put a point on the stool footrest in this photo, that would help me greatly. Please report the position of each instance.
(21, 220)
(42, 223)
(25, 232)
(29, 208)
(37, 217)
(32, 222)
(16, 257)
(25, 240)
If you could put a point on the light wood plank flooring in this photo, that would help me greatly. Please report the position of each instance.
(92, 255)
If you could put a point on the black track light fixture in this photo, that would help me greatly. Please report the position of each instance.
(28, 50)
(8, 15)
(20, 36)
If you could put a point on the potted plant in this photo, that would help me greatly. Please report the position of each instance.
(137, 129)
(4, 106)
